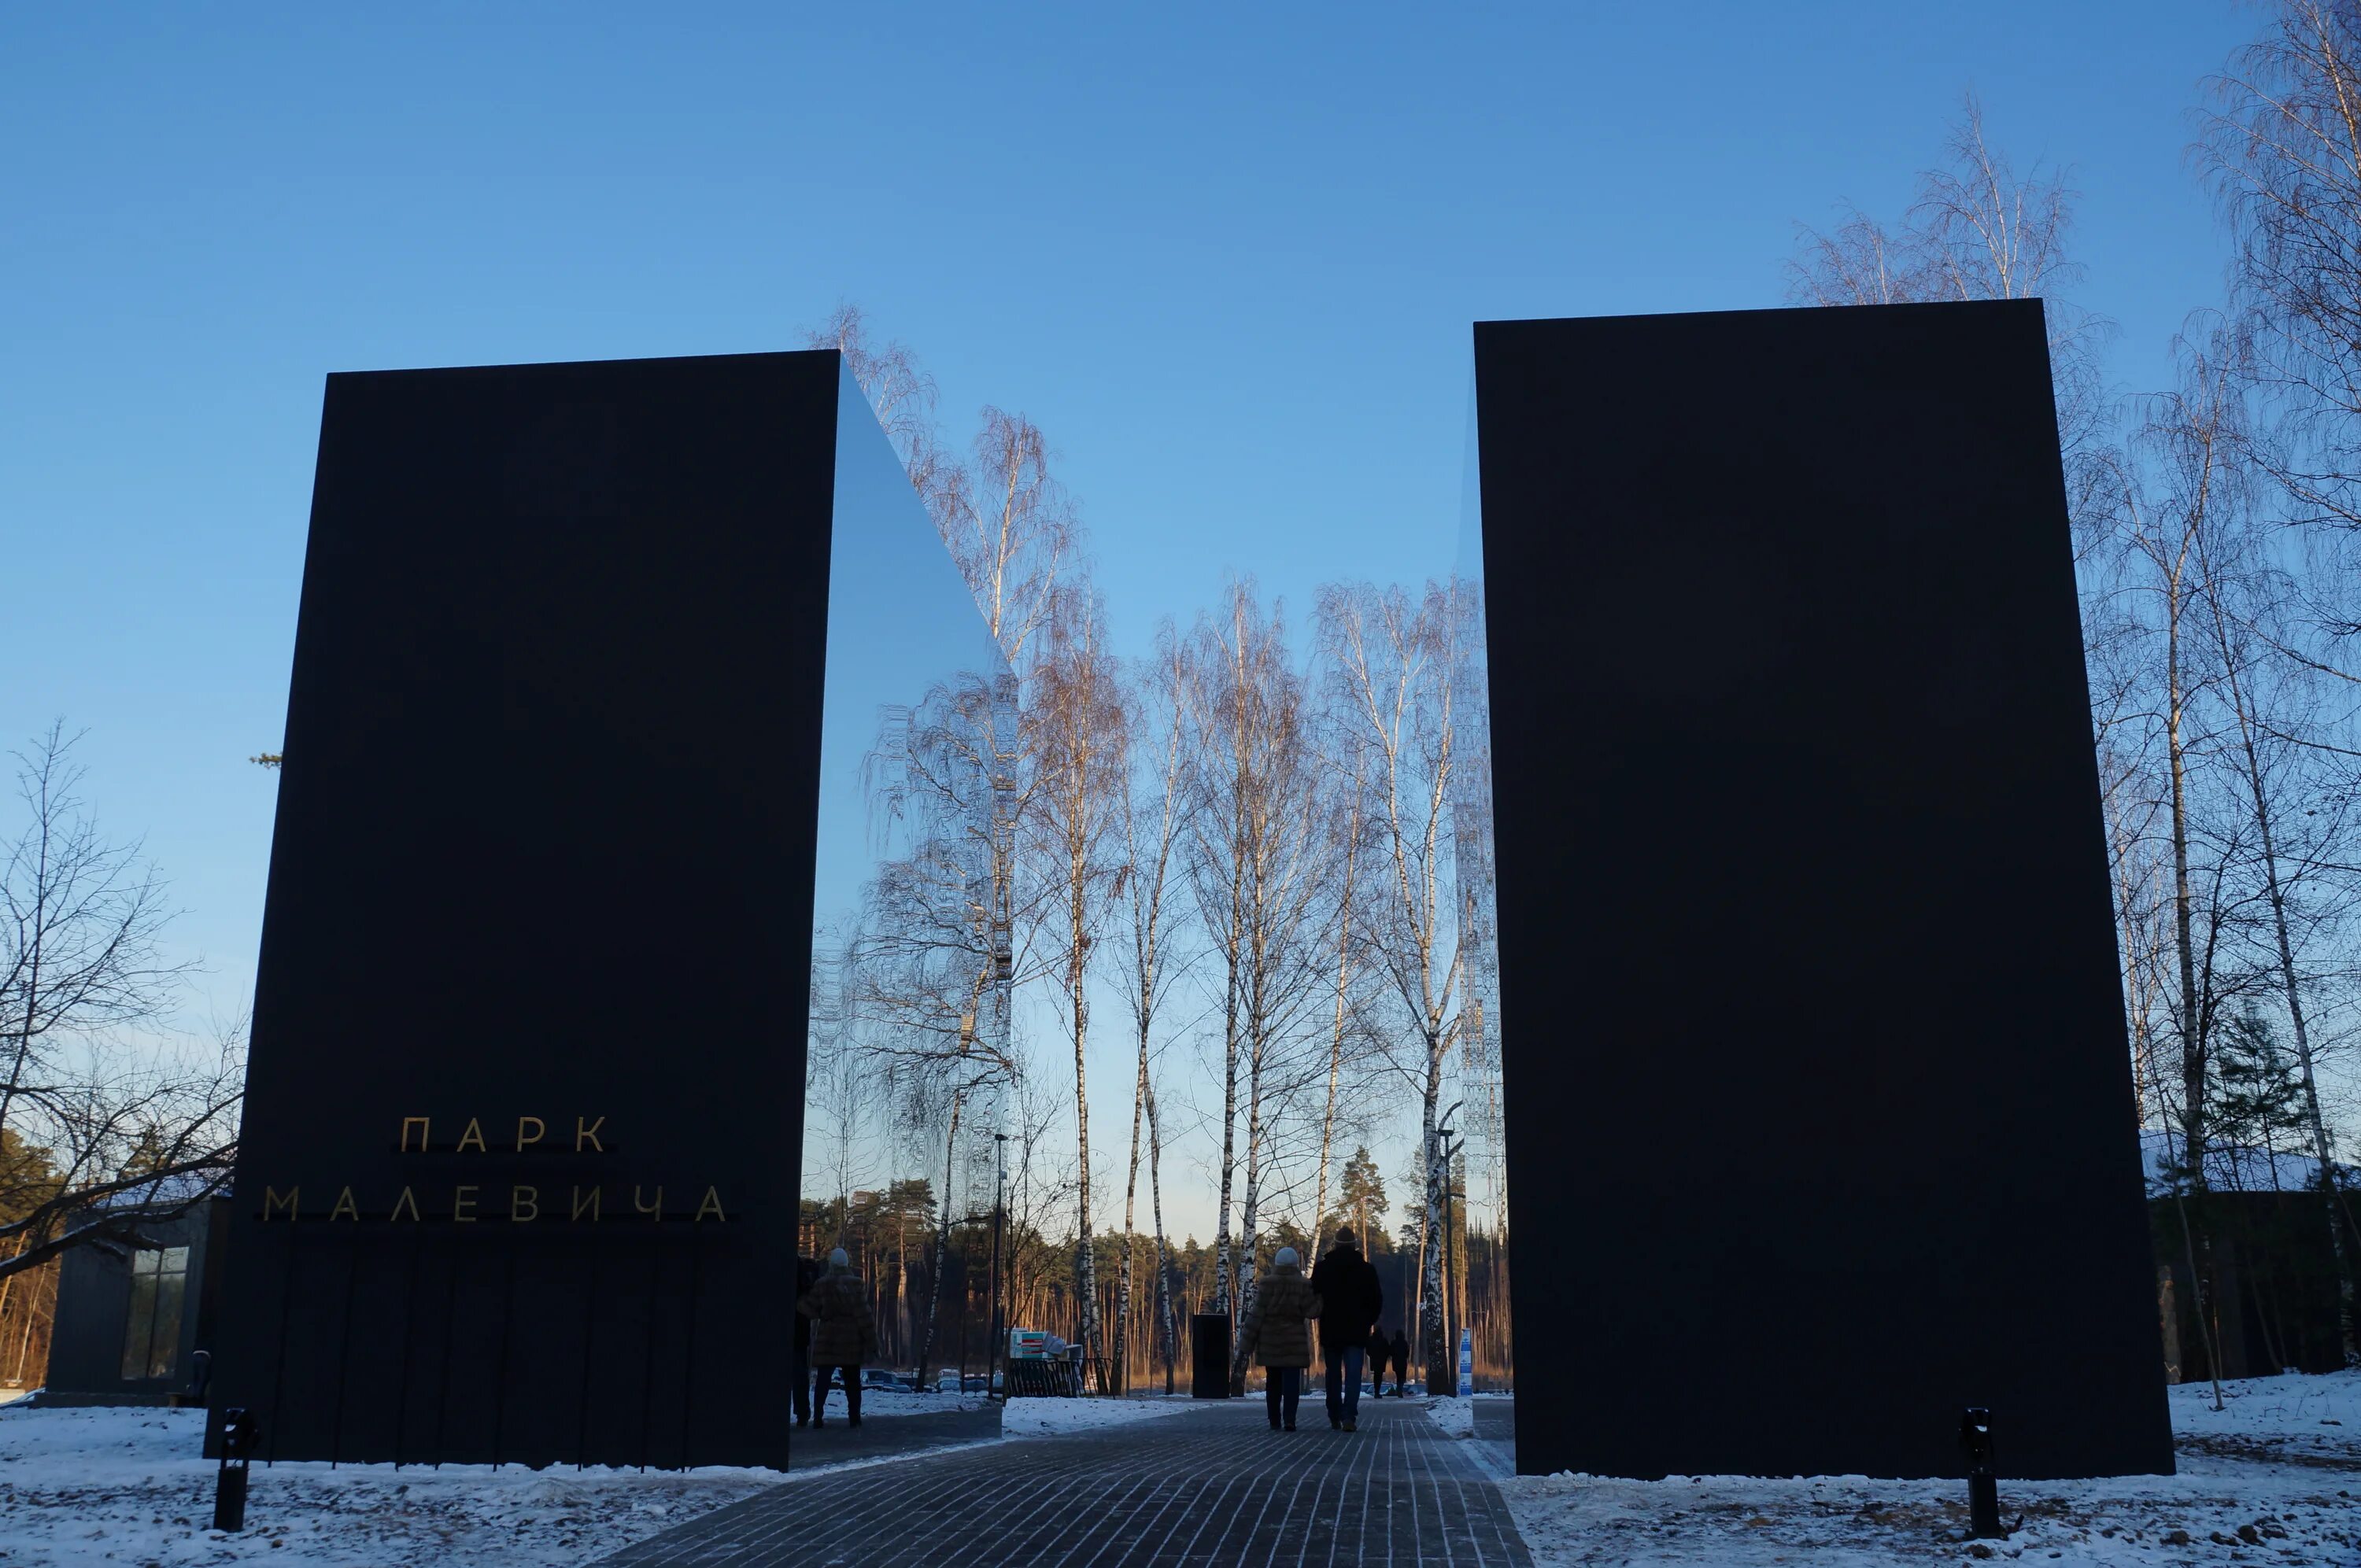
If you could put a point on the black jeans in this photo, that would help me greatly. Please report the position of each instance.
(803, 1383)
(851, 1391)
(1282, 1389)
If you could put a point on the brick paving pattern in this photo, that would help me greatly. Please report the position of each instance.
(1496, 1434)
(1212, 1486)
(838, 1440)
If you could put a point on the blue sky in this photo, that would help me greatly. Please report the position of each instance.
(1226, 258)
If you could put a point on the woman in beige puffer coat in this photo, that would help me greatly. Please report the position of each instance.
(1279, 1329)
(843, 1334)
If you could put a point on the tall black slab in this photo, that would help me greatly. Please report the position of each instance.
(539, 918)
(1820, 1119)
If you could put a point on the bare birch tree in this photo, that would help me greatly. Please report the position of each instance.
(1011, 528)
(1154, 801)
(1978, 231)
(1345, 847)
(1163, 1252)
(2282, 147)
(1392, 662)
(2266, 765)
(2190, 444)
(1082, 763)
(898, 389)
(1253, 779)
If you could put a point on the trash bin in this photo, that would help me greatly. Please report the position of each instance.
(1210, 1373)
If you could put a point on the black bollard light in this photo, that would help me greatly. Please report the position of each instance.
(240, 1433)
(1984, 1488)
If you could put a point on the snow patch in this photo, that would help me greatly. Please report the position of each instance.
(1055, 1418)
(903, 1402)
(1456, 1416)
(2269, 1475)
(95, 1485)
(2299, 1414)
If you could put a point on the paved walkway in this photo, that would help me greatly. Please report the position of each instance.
(1496, 1434)
(1212, 1486)
(838, 1440)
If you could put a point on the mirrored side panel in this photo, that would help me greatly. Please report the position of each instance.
(908, 1056)
(1484, 1180)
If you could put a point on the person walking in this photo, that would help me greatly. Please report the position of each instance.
(806, 1275)
(1401, 1361)
(1379, 1350)
(1280, 1328)
(1350, 1302)
(842, 1334)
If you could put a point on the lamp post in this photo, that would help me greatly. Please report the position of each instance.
(1984, 1488)
(1452, 1274)
(999, 1218)
(241, 1434)
(1448, 1143)
(967, 1287)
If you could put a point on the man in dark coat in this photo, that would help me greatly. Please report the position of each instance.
(1350, 1301)
(1401, 1361)
(806, 1275)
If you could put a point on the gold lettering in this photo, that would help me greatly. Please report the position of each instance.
(404, 1201)
(426, 1133)
(655, 1210)
(474, 1131)
(588, 1134)
(292, 1202)
(712, 1205)
(592, 1205)
(463, 1202)
(538, 1128)
(344, 1209)
(524, 1203)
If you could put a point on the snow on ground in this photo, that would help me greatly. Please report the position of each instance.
(1055, 1418)
(2291, 1418)
(904, 1402)
(1456, 1416)
(125, 1487)
(2275, 1477)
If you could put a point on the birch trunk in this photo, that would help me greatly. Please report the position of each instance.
(2193, 1031)
(1438, 1176)
(1086, 1274)
(1248, 1242)
(942, 1249)
(1163, 1255)
(1130, 1211)
(1336, 1038)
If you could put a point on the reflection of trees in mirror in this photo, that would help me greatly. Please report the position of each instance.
(926, 973)
(1395, 676)
(1257, 817)
(1014, 818)
(1151, 802)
